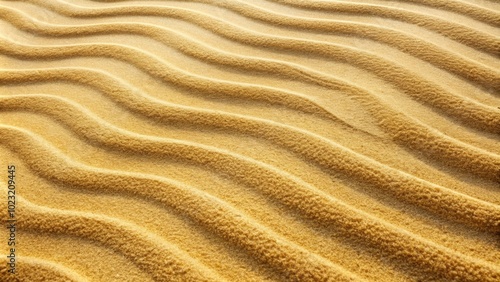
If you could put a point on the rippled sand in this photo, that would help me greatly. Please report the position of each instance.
(252, 140)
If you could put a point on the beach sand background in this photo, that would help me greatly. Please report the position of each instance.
(277, 140)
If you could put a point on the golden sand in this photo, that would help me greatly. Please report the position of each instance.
(250, 140)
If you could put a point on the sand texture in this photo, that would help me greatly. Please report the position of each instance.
(250, 140)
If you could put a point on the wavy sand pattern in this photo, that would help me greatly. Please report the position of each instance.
(238, 140)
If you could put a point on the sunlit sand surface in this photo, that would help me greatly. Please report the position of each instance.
(266, 140)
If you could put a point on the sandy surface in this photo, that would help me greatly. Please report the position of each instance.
(276, 140)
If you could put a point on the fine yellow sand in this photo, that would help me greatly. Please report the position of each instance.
(251, 140)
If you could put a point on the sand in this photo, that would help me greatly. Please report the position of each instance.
(263, 140)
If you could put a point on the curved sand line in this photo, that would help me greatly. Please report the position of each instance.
(201, 51)
(172, 75)
(461, 207)
(452, 30)
(149, 252)
(405, 42)
(317, 78)
(408, 43)
(167, 113)
(470, 10)
(212, 87)
(403, 129)
(319, 207)
(39, 103)
(464, 109)
(449, 29)
(40, 270)
(211, 212)
(162, 260)
(466, 9)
